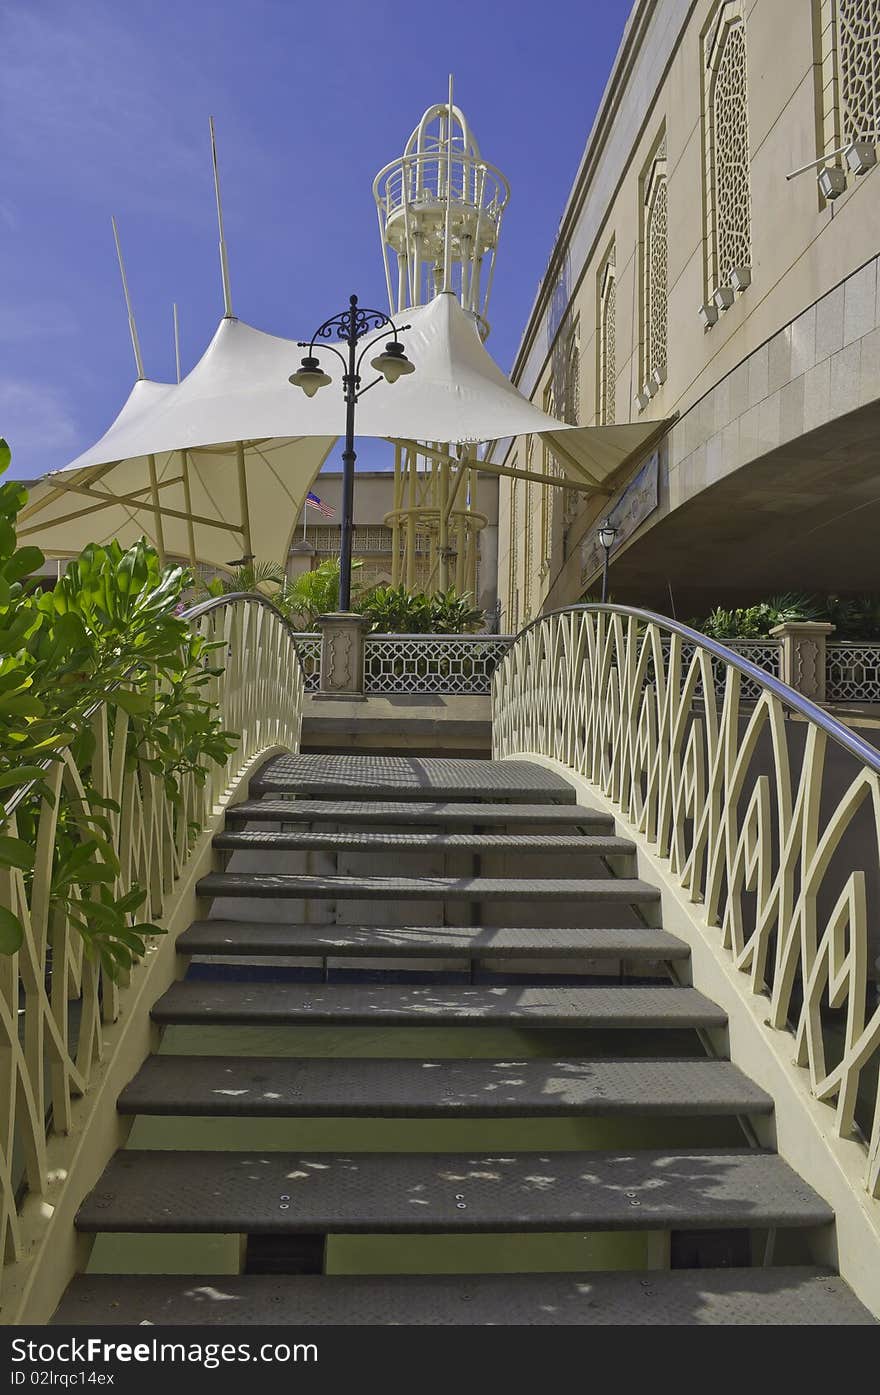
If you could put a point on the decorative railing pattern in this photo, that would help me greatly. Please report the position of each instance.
(852, 671)
(432, 663)
(764, 653)
(309, 650)
(55, 1003)
(772, 825)
(441, 664)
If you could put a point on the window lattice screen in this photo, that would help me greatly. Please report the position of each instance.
(858, 41)
(368, 537)
(548, 491)
(729, 151)
(512, 572)
(655, 264)
(607, 342)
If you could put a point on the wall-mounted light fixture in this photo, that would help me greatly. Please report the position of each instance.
(741, 277)
(656, 378)
(832, 182)
(861, 156)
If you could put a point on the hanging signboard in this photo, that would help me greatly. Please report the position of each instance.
(637, 502)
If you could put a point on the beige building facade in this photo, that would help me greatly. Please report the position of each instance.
(694, 284)
(317, 537)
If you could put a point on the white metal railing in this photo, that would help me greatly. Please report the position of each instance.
(56, 1007)
(763, 653)
(770, 825)
(440, 664)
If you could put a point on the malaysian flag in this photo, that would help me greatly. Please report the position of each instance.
(316, 503)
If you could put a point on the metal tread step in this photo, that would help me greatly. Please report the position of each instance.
(240, 937)
(340, 1087)
(625, 890)
(678, 1297)
(551, 843)
(371, 1193)
(623, 1006)
(369, 811)
(405, 777)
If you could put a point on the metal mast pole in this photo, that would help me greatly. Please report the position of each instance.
(349, 456)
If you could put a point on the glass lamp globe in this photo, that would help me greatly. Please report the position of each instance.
(392, 363)
(310, 376)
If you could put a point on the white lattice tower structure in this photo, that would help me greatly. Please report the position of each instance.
(440, 206)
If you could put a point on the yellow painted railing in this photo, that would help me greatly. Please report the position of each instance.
(60, 1014)
(764, 810)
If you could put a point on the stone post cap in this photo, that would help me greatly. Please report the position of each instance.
(803, 627)
(340, 618)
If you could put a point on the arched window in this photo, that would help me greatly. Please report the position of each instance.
(548, 491)
(850, 69)
(528, 560)
(607, 375)
(727, 147)
(512, 570)
(654, 267)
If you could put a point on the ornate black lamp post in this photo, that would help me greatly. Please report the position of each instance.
(607, 534)
(350, 326)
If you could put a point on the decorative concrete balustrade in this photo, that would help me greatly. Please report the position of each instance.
(799, 653)
(415, 664)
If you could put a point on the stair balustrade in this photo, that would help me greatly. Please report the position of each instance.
(65, 1020)
(762, 809)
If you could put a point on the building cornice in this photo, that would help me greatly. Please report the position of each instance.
(641, 18)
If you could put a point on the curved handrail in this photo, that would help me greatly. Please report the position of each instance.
(21, 792)
(843, 735)
(773, 847)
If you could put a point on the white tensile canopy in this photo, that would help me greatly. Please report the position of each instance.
(222, 462)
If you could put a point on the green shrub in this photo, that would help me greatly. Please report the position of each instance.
(756, 621)
(394, 610)
(108, 632)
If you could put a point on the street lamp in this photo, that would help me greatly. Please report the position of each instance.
(350, 326)
(607, 534)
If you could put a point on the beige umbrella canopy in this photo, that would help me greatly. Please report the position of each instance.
(221, 463)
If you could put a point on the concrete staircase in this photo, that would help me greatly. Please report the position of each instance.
(472, 964)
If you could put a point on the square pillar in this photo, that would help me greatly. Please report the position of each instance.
(804, 655)
(342, 655)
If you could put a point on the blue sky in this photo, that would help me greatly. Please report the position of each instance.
(104, 109)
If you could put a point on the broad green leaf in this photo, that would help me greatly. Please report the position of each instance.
(20, 776)
(16, 853)
(11, 929)
(135, 704)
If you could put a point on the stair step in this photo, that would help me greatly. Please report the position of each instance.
(346, 1088)
(624, 890)
(368, 811)
(286, 1193)
(787, 1296)
(405, 777)
(549, 843)
(485, 942)
(393, 1004)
